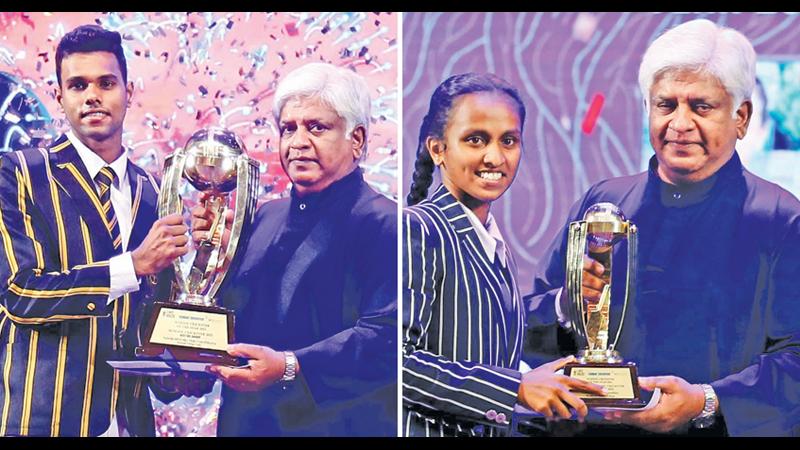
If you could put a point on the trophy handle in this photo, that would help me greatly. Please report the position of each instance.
(169, 202)
(244, 212)
(630, 278)
(576, 244)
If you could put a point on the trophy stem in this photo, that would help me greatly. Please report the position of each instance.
(195, 299)
(607, 356)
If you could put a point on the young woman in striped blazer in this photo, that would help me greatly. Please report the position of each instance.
(463, 317)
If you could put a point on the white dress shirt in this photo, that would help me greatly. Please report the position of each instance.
(491, 239)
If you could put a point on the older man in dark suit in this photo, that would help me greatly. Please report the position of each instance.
(315, 293)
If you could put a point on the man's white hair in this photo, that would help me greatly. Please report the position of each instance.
(340, 89)
(702, 46)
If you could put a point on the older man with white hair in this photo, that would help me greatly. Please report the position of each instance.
(715, 323)
(315, 294)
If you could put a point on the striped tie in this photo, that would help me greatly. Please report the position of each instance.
(105, 178)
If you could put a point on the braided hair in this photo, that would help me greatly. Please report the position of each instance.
(435, 121)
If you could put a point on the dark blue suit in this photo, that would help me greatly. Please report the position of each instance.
(318, 276)
(717, 294)
(56, 329)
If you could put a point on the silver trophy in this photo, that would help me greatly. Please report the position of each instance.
(603, 226)
(189, 325)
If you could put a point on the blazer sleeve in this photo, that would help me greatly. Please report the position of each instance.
(762, 399)
(36, 289)
(432, 382)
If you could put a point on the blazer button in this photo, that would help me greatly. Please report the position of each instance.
(491, 414)
(90, 306)
(501, 419)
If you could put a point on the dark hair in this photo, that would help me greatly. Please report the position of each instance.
(435, 121)
(91, 38)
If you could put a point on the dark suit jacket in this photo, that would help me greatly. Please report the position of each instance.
(319, 276)
(56, 329)
(716, 295)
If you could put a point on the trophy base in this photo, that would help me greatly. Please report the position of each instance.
(619, 379)
(190, 333)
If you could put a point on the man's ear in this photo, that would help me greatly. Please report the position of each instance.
(359, 140)
(129, 93)
(743, 116)
(59, 98)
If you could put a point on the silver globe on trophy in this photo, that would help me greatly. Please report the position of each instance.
(189, 325)
(603, 226)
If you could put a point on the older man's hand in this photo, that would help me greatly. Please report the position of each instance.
(203, 218)
(680, 402)
(591, 287)
(266, 366)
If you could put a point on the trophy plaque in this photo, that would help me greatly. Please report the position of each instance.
(189, 325)
(603, 226)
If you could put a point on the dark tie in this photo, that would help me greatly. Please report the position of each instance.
(105, 178)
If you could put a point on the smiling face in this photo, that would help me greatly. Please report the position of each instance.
(692, 126)
(481, 148)
(94, 98)
(314, 147)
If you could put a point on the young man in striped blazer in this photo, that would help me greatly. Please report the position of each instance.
(79, 233)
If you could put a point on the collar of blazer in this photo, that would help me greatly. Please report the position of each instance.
(453, 210)
(73, 179)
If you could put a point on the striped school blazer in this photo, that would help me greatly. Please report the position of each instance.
(56, 329)
(463, 326)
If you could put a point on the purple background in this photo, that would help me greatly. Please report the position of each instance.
(558, 62)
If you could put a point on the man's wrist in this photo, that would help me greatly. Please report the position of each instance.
(290, 367)
(708, 415)
(122, 276)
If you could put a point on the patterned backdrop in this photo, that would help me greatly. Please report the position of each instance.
(193, 70)
(577, 73)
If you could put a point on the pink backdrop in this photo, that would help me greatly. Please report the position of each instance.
(194, 70)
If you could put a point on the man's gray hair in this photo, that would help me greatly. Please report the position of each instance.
(340, 89)
(702, 46)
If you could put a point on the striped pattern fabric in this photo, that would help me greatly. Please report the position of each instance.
(56, 326)
(463, 324)
(105, 178)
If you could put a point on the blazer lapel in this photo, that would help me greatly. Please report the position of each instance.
(71, 176)
(468, 237)
(144, 203)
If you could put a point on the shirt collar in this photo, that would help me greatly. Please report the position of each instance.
(94, 163)
(315, 201)
(691, 194)
(489, 235)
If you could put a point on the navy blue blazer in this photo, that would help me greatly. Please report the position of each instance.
(318, 276)
(463, 325)
(56, 328)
